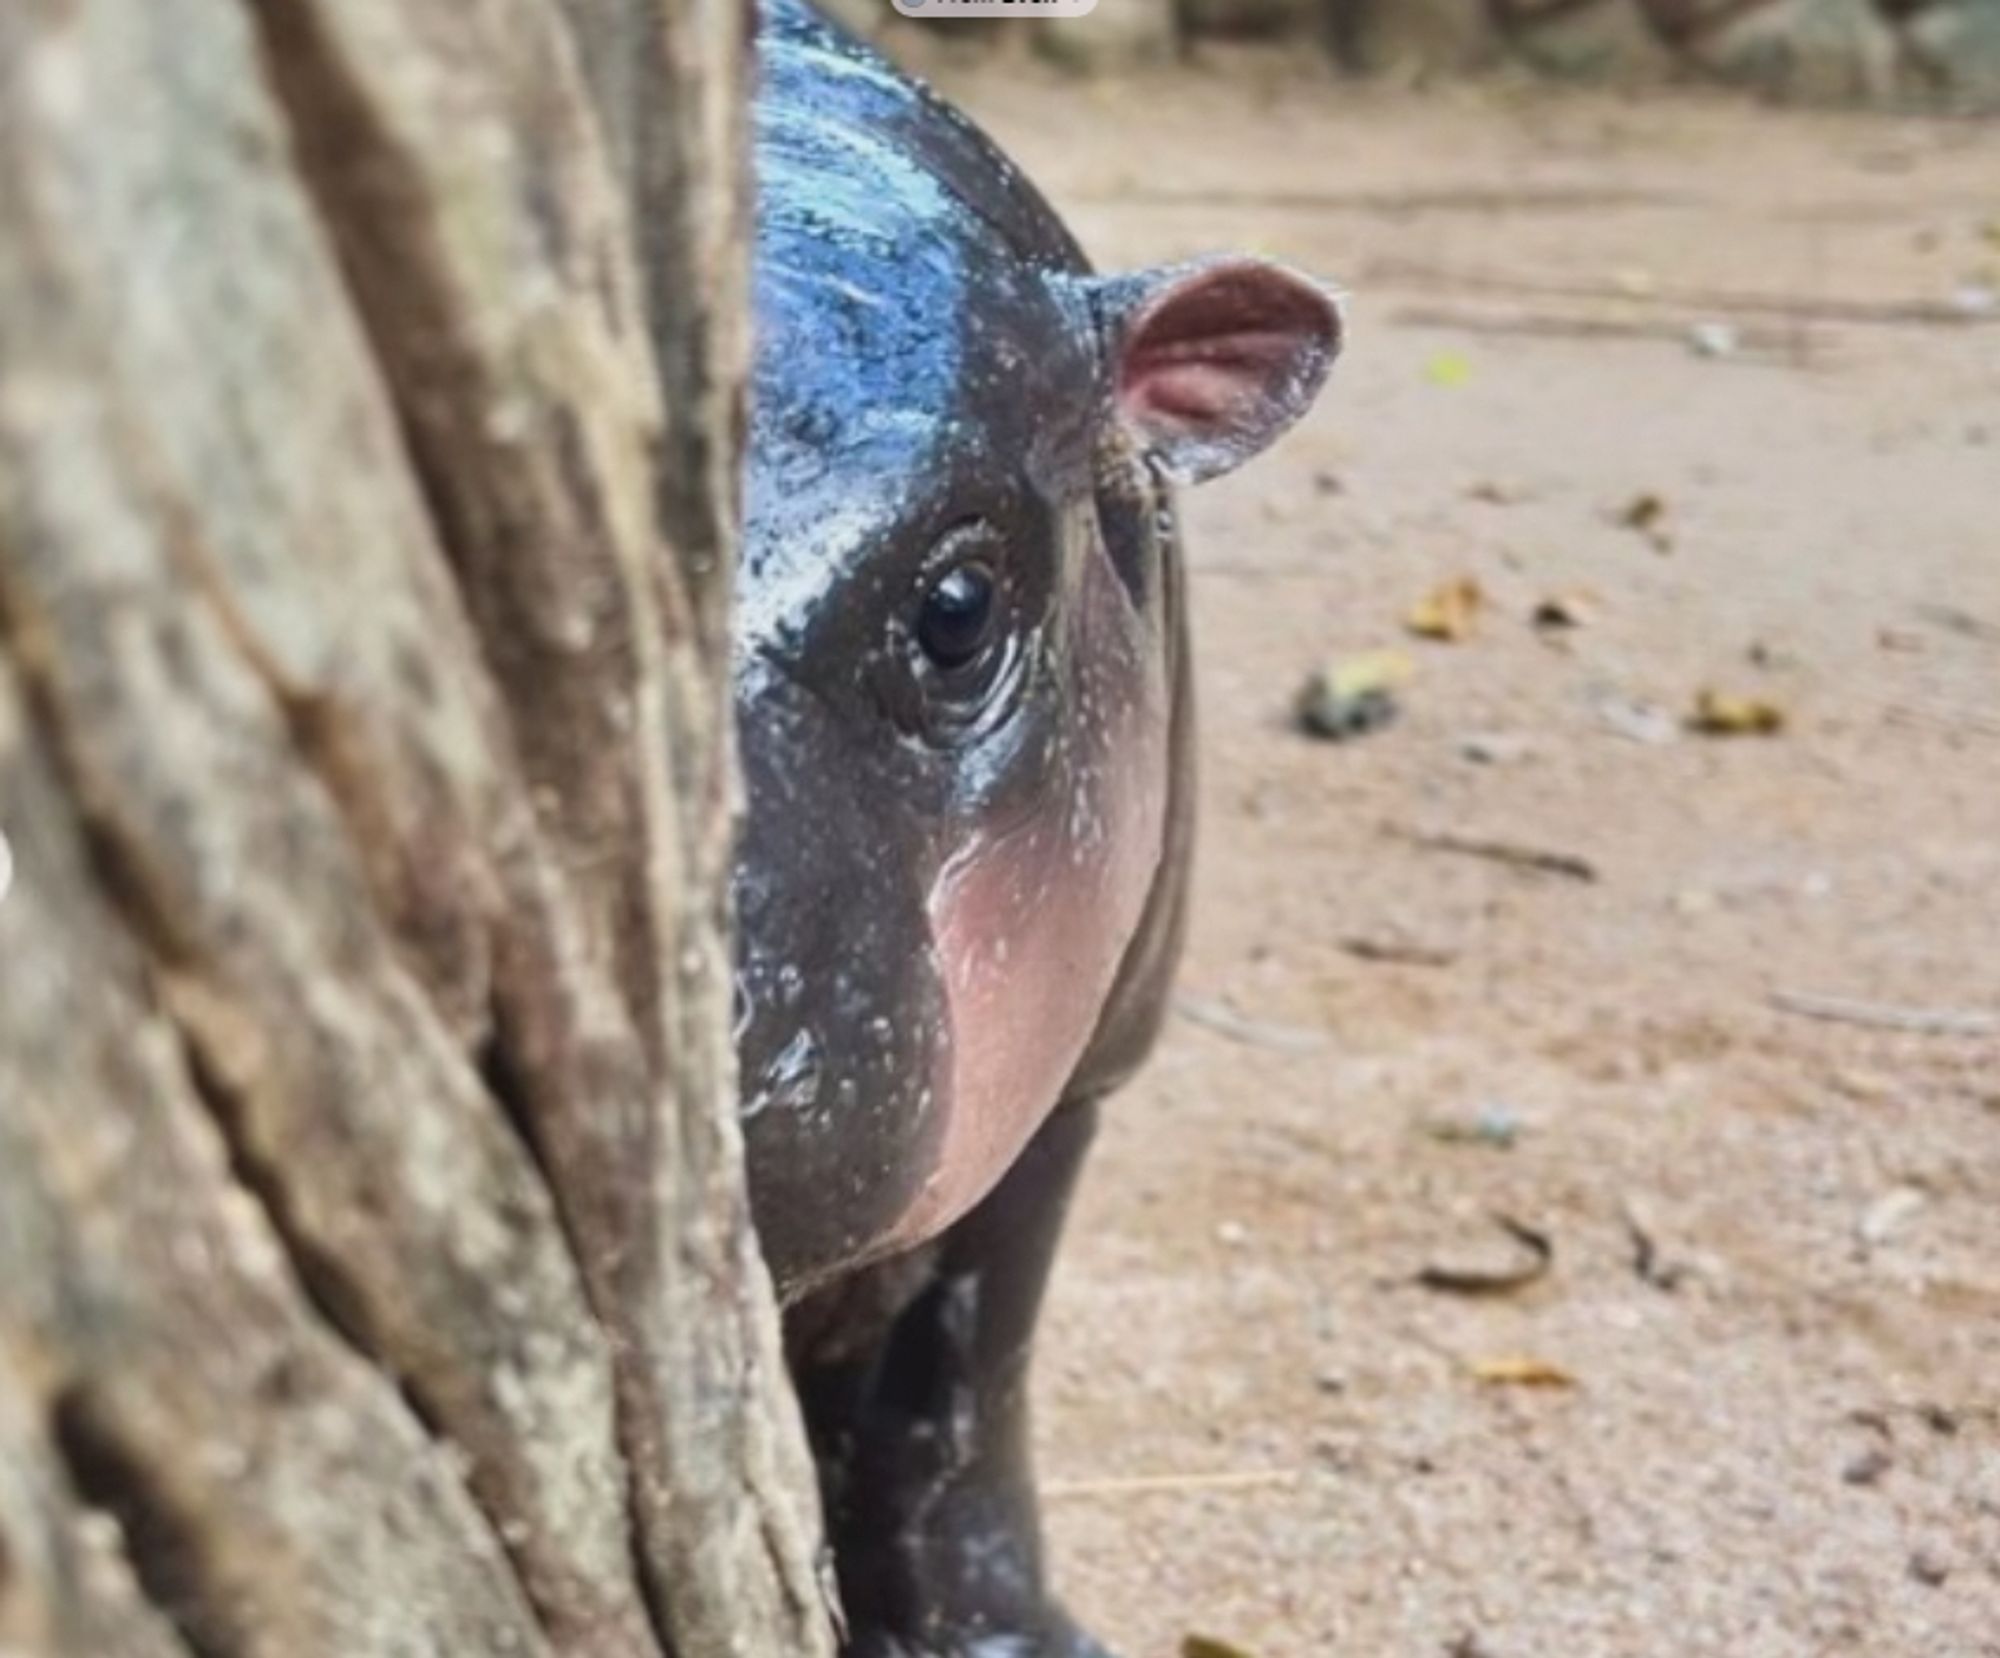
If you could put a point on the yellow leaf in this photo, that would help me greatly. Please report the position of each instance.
(1351, 698)
(1447, 612)
(1520, 1370)
(1721, 714)
(1372, 671)
(1449, 369)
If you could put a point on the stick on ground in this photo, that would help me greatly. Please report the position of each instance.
(1921, 1021)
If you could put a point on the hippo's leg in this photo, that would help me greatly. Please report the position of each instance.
(918, 1410)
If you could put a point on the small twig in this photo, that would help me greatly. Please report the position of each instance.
(1970, 721)
(1544, 323)
(1954, 620)
(1398, 203)
(1133, 1485)
(1399, 951)
(1542, 861)
(1493, 1281)
(1916, 313)
(1226, 1021)
(1794, 348)
(1922, 1021)
(1255, 569)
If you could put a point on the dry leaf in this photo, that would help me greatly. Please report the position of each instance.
(1494, 1124)
(1372, 670)
(1353, 697)
(1560, 611)
(1447, 612)
(1207, 1646)
(1721, 714)
(1647, 514)
(1450, 369)
(1642, 512)
(1520, 1370)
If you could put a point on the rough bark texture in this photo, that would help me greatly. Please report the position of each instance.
(375, 1275)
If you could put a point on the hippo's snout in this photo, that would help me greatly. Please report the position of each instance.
(842, 1036)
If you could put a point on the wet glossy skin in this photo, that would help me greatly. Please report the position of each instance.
(937, 885)
(964, 716)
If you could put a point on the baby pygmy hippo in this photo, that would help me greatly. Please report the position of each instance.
(963, 703)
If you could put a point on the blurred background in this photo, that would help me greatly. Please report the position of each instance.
(1565, 1217)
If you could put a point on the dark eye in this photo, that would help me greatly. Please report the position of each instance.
(962, 638)
(959, 616)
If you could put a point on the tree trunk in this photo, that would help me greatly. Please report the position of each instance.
(375, 1272)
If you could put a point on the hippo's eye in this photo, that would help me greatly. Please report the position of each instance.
(960, 653)
(959, 616)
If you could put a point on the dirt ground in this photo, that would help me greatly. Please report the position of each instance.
(1782, 1433)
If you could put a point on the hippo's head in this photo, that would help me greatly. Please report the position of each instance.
(957, 632)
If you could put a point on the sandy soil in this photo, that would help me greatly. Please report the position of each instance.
(1783, 1433)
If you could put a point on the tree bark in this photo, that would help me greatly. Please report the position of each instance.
(375, 1271)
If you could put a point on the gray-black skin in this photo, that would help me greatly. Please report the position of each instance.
(962, 695)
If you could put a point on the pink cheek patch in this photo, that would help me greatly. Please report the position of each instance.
(1030, 930)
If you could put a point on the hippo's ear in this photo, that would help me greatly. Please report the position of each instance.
(1212, 361)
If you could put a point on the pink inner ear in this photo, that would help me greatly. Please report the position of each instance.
(1221, 360)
